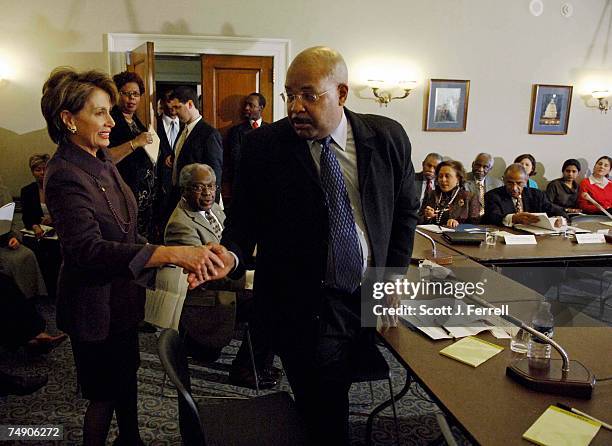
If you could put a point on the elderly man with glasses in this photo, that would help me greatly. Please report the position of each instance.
(198, 220)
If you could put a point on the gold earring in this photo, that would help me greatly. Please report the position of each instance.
(72, 130)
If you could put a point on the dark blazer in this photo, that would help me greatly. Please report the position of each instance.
(499, 203)
(279, 206)
(164, 173)
(97, 295)
(30, 205)
(203, 145)
(465, 208)
(235, 139)
(419, 184)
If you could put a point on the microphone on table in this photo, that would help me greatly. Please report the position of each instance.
(590, 199)
(433, 254)
(563, 377)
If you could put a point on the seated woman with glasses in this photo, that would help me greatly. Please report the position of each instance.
(127, 139)
(449, 204)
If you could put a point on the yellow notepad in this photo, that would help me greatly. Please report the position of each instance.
(471, 350)
(558, 427)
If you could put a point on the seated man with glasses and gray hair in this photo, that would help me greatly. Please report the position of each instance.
(198, 220)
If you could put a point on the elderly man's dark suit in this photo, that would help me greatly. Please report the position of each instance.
(279, 205)
(499, 203)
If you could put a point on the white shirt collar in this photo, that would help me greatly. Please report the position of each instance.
(192, 124)
(168, 120)
(339, 135)
(251, 121)
(601, 183)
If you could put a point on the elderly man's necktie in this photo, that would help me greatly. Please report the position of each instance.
(481, 194)
(254, 125)
(518, 204)
(216, 227)
(345, 262)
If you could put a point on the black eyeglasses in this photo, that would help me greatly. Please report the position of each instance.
(130, 94)
(199, 188)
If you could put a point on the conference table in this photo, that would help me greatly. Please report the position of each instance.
(489, 407)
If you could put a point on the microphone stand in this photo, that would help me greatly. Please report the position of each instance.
(597, 205)
(563, 377)
(433, 254)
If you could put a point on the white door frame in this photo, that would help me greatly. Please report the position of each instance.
(118, 44)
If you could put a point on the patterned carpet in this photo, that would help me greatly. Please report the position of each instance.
(58, 403)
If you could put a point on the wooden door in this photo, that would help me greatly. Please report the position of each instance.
(226, 80)
(141, 61)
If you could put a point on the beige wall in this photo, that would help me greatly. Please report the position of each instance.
(496, 44)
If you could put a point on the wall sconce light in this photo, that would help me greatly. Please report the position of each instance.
(602, 97)
(383, 91)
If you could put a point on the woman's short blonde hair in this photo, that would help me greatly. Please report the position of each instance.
(67, 89)
(37, 159)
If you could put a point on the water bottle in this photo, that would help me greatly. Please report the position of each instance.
(538, 351)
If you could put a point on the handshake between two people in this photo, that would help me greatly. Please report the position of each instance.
(206, 263)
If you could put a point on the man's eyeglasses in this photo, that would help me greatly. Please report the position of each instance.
(130, 94)
(309, 98)
(199, 188)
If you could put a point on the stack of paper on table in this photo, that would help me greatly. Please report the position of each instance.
(471, 351)
(454, 326)
(435, 228)
(560, 427)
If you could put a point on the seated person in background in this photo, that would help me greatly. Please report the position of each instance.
(478, 180)
(449, 204)
(514, 203)
(425, 179)
(33, 204)
(598, 187)
(529, 164)
(36, 214)
(17, 261)
(564, 191)
(198, 220)
(20, 323)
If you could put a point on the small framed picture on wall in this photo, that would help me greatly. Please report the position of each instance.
(550, 109)
(446, 105)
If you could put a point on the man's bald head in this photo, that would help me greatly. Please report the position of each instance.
(316, 90)
(515, 179)
(327, 61)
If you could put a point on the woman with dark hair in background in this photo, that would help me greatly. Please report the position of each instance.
(449, 204)
(100, 301)
(564, 191)
(598, 187)
(529, 163)
(127, 139)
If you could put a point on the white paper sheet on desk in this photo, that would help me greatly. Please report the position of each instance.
(6, 217)
(435, 228)
(46, 229)
(164, 305)
(607, 223)
(153, 148)
(456, 326)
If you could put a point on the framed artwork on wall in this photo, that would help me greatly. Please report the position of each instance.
(446, 105)
(550, 109)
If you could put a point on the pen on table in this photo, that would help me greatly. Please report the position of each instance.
(579, 412)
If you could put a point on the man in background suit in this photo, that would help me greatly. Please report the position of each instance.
(198, 220)
(254, 105)
(169, 128)
(478, 180)
(426, 178)
(514, 203)
(198, 142)
(322, 193)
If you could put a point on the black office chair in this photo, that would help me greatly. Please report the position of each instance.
(372, 366)
(588, 219)
(264, 420)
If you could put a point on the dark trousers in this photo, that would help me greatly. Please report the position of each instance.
(19, 319)
(319, 364)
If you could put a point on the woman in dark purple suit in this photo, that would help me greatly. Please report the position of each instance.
(100, 301)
